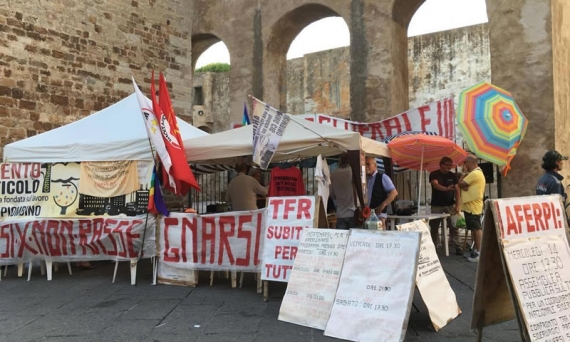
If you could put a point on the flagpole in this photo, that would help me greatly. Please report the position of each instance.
(298, 123)
(154, 158)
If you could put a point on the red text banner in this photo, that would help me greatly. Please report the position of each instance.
(438, 117)
(531, 217)
(22, 240)
(229, 241)
(286, 218)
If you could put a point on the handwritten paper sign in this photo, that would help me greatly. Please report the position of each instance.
(431, 281)
(523, 268)
(537, 255)
(376, 286)
(314, 278)
(286, 218)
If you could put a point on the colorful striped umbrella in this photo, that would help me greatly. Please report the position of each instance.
(491, 123)
(424, 152)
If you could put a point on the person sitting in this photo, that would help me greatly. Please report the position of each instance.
(243, 189)
(255, 173)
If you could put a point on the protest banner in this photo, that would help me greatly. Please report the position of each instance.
(269, 124)
(437, 117)
(522, 271)
(53, 191)
(229, 241)
(102, 238)
(286, 218)
(431, 281)
(376, 287)
(314, 278)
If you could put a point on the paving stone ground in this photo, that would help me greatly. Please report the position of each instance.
(86, 306)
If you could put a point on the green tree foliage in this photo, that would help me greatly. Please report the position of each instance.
(214, 67)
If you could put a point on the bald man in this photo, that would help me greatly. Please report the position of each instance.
(472, 185)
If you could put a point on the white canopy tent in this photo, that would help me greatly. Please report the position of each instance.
(302, 139)
(117, 132)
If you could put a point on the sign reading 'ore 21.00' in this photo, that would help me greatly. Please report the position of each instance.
(376, 287)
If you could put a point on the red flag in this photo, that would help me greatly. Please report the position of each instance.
(180, 169)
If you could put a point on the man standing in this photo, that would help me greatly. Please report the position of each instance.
(381, 190)
(342, 191)
(551, 181)
(444, 199)
(472, 185)
(242, 190)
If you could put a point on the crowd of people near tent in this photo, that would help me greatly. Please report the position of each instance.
(453, 193)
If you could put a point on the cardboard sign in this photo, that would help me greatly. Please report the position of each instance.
(431, 281)
(528, 237)
(286, 218)
(376, 286)
(314, 277)
(23, 240)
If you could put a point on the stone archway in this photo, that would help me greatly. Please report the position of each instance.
(210, 109)
(281, 35)
(200, 43)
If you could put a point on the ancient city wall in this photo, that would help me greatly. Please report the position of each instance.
(62, 60)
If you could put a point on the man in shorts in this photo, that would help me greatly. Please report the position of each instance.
(472, 185)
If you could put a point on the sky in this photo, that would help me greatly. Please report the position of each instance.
(331, 33)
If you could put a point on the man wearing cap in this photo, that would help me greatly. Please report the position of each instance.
(551, 181)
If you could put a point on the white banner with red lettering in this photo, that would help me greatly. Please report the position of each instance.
(102, 238)
(228, 241)
(286, 218)
(438, 117)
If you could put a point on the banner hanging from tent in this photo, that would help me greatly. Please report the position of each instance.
(53, 191)
(102, 238)
(228, 241)
(437, 117)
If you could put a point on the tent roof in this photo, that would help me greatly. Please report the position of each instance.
(302, 139)
(117, 132)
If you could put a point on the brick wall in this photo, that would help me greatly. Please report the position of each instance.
(61, 60)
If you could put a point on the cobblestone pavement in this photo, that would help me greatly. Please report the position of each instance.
(86, 306)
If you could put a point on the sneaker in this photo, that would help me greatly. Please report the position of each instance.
(458, 250)
(471, 254)
(473, 259)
